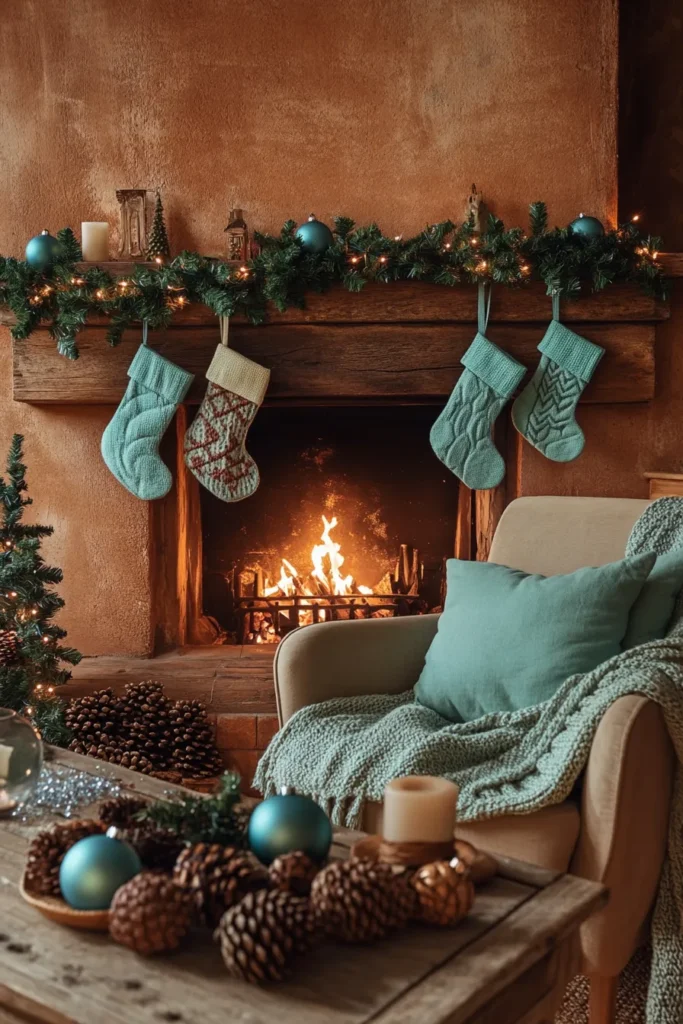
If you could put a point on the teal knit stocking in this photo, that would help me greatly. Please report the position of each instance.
(130, 443)
(544, 413)
(461, 436)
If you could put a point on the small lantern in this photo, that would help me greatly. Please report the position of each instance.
(238, 238)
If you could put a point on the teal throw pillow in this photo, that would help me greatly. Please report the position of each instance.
(507, 640)
(654, 606)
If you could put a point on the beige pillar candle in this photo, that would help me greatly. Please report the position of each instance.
(419, 809)
(95, 241)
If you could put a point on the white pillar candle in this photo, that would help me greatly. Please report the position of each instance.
(5, 756)
(419, 809)
(95, 241)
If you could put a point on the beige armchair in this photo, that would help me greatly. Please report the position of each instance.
(615, 830)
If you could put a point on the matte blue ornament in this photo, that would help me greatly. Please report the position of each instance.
(288, 822)
(42, 250)
(589, 227)
(93, 869)
(315, 236)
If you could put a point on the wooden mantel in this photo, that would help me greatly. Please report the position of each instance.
(400, 342)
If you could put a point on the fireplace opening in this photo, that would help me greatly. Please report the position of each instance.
(354, 518)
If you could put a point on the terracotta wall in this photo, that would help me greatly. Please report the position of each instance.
(383, 109)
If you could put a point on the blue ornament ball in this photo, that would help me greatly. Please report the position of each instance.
(288, 822)
(314, 235)
(589, 227)
(41, 251)
(93, 869)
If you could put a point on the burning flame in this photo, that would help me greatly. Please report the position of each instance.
(326, 573)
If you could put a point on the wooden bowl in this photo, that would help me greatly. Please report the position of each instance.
(56, 909)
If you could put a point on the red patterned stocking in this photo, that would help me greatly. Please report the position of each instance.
(215, 442)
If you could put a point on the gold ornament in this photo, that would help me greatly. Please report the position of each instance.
(444, 890)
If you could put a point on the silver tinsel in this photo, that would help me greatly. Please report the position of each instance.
(65, 791)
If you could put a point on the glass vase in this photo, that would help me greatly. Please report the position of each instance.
(21, 758)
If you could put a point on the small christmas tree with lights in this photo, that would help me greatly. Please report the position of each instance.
(31, 653)
(158, 248)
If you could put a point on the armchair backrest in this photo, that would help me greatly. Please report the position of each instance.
(550, 535)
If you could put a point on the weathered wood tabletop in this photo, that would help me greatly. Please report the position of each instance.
(508, 962)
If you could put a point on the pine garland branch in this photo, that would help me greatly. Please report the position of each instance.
(282, 273)
(198, 819)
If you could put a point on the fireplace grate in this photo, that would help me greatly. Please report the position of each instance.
(268, 619)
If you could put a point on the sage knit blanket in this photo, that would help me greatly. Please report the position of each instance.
(343, 752)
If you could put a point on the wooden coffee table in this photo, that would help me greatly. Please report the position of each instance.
(508, 962)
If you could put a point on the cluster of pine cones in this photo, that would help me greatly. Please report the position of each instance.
(146, 731)
(263, 918)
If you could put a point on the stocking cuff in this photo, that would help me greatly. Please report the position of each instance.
(570, 351)
(160, 375)
(493, 366)
(234, 372)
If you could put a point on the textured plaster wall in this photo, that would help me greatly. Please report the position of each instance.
(382, 109)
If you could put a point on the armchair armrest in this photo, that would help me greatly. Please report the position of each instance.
(624, 826)
(350, 659)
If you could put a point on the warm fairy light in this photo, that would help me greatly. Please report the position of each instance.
(123, 284)
(354, 259)
(29, 710)
(38, 686)
(383, 259)
(447, 245)
(398, 238)
(99, 293)
(50, 690)
(181, 300)
(482, 266)
(524, 268)
(46, 639)
(635, 218)
(158, 259)
(474, 240)
(34, 300)
(13, 593)
(654, 255)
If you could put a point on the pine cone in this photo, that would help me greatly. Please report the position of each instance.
(194, 748)
(261, 935)
(150, 914)
(9, 646)
(121, 811)
(218, 876)
(361, 900)
(146, 721)
(293, 872)
(46, 853)
(157, 848)
(444, 890)
(93, 720)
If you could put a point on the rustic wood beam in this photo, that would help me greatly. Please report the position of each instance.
(410, 302)
(418, 362)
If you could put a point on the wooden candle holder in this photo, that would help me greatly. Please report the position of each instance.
(413, 855)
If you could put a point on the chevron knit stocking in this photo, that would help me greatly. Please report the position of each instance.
(461, 436)
(215, 442)
(544, 412)
(130, 443)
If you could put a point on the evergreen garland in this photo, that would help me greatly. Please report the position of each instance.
(282, 272)
(27, 604)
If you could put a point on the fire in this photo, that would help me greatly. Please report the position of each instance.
(326, 576)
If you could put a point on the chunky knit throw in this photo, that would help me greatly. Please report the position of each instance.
(343, 752)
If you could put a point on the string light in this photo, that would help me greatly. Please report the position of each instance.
(447, 245)
(383, 259)
(635, 218)
(30, 710)
(99, 293)
(355, 259)
(158, 259)
(474, 240)
(77, 280)
(482, 266)
(524, 268)
(398, 238)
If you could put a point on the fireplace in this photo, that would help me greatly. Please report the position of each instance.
(354, 518)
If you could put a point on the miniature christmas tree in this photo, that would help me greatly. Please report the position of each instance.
(30, 650)
(158, 248)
